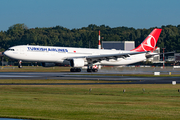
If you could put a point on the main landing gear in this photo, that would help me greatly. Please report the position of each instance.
(79, 70)
(75, 69)
(92, 70)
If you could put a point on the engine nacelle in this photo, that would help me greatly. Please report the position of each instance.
(48, 64)
(77, 62)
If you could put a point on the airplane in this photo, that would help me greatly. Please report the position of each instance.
(80, 57)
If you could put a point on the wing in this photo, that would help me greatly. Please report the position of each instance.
(149, 55)
(97, 58)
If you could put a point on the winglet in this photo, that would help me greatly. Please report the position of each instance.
(149, 44)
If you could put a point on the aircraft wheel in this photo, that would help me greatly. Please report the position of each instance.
(75, 70)
(19, 66)
(95, 70)
(72, 70)
(89, 70)
(78, 70)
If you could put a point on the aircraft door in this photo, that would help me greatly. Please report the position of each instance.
(21, 51)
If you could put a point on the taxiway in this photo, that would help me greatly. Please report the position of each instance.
(84, 76)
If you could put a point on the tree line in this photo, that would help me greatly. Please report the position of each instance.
(85, 37)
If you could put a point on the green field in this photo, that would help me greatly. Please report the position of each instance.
(33, 69)
(77, 102)
(139, 101)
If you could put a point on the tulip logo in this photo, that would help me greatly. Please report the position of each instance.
(149, 43)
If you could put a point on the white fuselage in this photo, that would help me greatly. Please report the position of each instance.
(60, 54)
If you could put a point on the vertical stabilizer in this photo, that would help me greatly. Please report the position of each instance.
(149, 44)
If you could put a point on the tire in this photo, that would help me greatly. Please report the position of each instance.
(19, 66)
(95, 70)
(78, 70)
(89, 70)
(75, 70)
(72, 70)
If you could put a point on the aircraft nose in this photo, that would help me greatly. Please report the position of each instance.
(4, 53)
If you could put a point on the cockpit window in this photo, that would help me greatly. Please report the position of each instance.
(11, 49)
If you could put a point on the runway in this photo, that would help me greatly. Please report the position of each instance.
(83, 76)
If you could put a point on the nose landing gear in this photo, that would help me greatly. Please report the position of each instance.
(20, 65)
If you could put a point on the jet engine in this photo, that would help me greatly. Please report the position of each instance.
(48, 64)
(77, 63)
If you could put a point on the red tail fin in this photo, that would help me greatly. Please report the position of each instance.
(149, 43)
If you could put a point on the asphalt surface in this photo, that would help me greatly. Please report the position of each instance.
(84, 76)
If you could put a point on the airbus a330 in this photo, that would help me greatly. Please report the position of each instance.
(80, 57)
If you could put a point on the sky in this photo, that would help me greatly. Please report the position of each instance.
(81, 13)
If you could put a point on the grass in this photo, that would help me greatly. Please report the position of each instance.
(103, 102)
(158, 101)
(34, 69)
